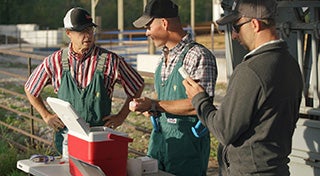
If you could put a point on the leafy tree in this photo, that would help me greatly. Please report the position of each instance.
(49, 13)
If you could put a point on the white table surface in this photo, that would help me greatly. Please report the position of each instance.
(57, 168)
(54, 168)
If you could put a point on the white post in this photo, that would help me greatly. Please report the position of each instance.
(120, 21)
(151, 47)
(93, 9)
(192, 18)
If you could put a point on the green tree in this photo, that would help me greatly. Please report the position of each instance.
(50, 13)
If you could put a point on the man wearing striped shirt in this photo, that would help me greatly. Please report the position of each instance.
(84, 75)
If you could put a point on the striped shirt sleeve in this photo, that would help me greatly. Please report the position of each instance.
(128, 77)
(48, 72)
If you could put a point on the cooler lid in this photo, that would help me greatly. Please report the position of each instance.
(69, 116)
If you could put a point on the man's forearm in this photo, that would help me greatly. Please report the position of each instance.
(38, 104)
(178, 107)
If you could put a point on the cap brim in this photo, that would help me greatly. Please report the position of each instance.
(232, 17)
(142, 21)
(81, 28)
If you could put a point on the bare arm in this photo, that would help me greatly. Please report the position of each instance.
(178, 107)
(114, 121)
(51, 119)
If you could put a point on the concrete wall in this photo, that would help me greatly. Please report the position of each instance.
(31, 34)
(27, 27)
(42, 37)
(148, 62)
(9, 30)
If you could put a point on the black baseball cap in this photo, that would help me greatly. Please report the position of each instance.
(156, 9)
(260, 9)
(77, 19)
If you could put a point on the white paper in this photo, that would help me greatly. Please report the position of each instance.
(183, 72)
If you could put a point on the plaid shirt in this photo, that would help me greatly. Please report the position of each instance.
(82, 70)
(199, 62)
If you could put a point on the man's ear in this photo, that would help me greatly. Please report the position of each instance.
(68, 32)
(256, 24)
(165, 23)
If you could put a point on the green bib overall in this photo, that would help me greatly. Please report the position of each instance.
(178, 151)
(92, 103)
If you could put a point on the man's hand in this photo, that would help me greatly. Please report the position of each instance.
(54, 121)
(113, 121)
(140, 105)
(192, 87)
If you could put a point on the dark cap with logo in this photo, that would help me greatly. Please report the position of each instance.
(260, 9)
(77, 19)
(157, 9)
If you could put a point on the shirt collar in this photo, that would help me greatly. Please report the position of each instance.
(252, 52)
(184, 41)
(178, 48)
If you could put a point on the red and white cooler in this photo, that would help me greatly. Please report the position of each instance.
(100, 146)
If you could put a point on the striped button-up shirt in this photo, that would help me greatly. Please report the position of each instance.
(82, 70)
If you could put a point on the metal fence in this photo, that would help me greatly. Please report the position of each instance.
(32, 119)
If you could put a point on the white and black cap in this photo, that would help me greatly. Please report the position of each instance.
(77, 19)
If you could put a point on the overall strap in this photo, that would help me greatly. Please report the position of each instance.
(185, 50)
(65, 62)
(181, 56)
(101, 66)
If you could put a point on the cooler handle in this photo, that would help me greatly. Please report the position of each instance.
(119, 138)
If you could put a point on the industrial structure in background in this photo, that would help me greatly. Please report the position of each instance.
(298, 23)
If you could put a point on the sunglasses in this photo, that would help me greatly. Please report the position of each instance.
(236, 27)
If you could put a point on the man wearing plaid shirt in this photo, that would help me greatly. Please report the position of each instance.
(172, 141)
